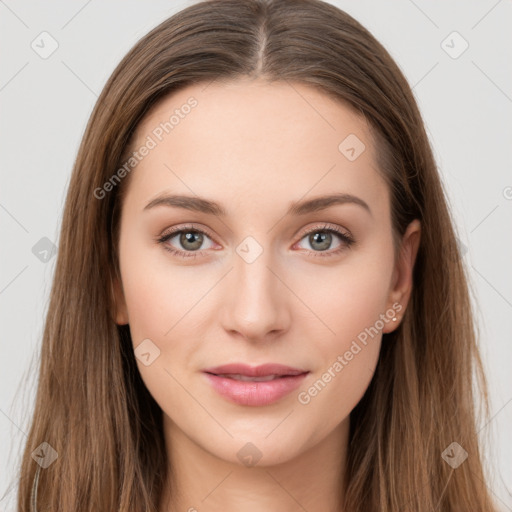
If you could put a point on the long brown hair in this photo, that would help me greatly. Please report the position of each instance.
(91, 405)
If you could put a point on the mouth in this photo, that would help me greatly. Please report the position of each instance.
(247, 378)
(263, 370)
(254, 386)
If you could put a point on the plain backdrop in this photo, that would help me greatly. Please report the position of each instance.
(457, 56)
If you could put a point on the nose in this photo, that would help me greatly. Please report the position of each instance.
(257, 300)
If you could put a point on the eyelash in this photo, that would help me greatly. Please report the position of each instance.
(327, 228)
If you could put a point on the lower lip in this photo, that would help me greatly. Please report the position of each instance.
(254, 393)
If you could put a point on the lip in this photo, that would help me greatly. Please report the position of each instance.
(255, 393)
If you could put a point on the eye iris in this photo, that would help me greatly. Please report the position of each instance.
(325, 239)
(188, 236)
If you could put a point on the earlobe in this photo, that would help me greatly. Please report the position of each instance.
(120, 309)
(403, 274)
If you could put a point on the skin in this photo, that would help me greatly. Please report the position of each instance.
(256, 147)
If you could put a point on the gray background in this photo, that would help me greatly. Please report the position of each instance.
(45, 103)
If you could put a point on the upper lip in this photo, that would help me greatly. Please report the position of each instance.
(254, 371)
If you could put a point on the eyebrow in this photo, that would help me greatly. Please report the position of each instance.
(297, 208)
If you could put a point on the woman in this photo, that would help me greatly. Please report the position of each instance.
(201, 351)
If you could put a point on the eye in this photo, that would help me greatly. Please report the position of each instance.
(191, 240)
(188, 237)
(320, 238)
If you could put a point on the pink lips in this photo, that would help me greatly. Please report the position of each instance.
(225, 380)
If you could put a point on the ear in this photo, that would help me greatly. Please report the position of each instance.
(121, 311)
(402, 282)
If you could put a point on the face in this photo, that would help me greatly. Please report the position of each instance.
(261, 278)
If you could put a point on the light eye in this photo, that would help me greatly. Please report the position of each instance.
(324, 240)
(191, 239)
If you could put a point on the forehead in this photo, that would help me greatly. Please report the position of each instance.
(250, 139)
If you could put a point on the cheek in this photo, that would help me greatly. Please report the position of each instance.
(348, 356)
(350, 309)
(350, 301)
(348, 297)
(160, 300)
(157, 301)
(157, 294)
(150, 311)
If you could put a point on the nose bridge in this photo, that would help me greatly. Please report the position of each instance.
(255, 281)
(258, 298)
